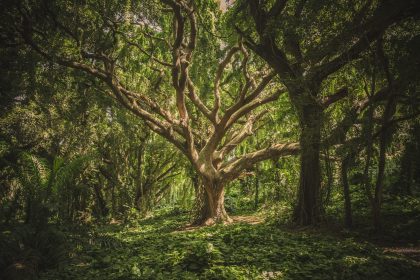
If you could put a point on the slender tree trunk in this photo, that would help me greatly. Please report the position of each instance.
(101, 204)
(384, 139)
(308, 207)
(139, 181)
(113, 200)
(348, 216)
(212, 208)
(377, 201)
(330, 179)
(257, 188)
(367, 133)
(278, 183)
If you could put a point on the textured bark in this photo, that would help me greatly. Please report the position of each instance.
(201, 202)
(212, 208)
(307, 211)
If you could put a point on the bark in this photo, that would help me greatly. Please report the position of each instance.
(200, 202)
(201, 207)
(308, 207)
(212, 208)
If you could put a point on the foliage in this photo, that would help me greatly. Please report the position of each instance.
(25, 251)
(159, 248)
(121, 120)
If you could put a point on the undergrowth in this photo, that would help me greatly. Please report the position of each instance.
(159, 248)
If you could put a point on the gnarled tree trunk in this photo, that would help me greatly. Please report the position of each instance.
(211, 208)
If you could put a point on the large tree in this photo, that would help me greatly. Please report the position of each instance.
(142, 54)
(306, 43)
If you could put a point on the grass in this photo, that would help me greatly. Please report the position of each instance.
(158, 248)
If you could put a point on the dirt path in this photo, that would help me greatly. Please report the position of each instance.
(251, 219)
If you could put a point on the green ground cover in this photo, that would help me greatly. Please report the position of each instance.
(161, 248)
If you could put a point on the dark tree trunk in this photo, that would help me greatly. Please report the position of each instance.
(330, 179)
(138, 198)
(113, 200)
(100, 201)
(384, 140)
(257, 188)
(201, 202)
(308, 207)
(377, 201)
(139, 181)
(348, 216)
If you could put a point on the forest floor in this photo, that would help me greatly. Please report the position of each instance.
(160, 247)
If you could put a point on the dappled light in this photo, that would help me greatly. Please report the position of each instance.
(209, 139)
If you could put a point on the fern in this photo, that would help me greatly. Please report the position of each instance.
(35, 172)
(44, 185)
(65, 173)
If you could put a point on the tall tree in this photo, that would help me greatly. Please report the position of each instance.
(306, 43)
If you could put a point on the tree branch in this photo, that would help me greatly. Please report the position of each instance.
(338, 95)
(233, 168)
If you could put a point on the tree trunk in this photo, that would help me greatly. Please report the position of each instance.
(308, 207)
(330, 179)
(257, 188)
(384, 139)
(100, 201)
(212, 207)
(139, 180)
(348, 217)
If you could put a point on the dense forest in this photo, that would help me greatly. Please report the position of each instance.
(206, 139)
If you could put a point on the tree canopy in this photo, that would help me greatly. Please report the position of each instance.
(304, 111)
